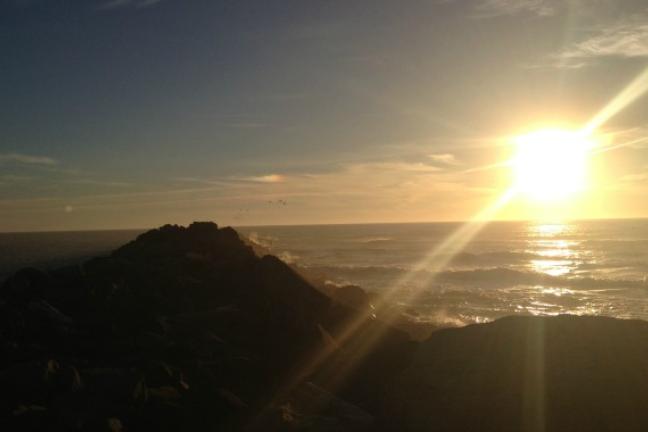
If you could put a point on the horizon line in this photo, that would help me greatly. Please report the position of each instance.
(539, 221)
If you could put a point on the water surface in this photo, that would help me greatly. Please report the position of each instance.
(588, 267)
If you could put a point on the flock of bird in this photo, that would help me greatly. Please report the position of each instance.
(244, 213)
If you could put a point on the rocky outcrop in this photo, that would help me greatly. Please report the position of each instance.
(564, 373)
(181, 329)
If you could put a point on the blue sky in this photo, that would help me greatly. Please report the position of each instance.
(133, 113)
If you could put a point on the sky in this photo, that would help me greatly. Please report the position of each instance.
(137, 113)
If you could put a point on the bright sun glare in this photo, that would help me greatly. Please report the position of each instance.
(551, 164)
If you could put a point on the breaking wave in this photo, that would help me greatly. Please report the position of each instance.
(496, 277)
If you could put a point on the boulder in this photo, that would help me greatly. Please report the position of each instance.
(564, 373)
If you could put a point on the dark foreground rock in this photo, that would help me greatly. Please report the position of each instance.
(183, 329)
(564, 373)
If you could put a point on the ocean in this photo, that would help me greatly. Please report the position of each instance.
(587, 267)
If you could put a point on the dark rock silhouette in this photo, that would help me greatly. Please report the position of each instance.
(352, 295)
(564, 373)
(181, 329)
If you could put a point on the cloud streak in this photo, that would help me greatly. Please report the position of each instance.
(270, 178)
(27, 159)
(497, 8)
(92, 182)
(117, 4)
(225, 181)
(626, 38)
(359, 188)
(629, 40)
(444, 158)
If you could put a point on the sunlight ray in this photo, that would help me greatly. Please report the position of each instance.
(628, 95)
(606, 149)
(434, 262)
(488, 167)
(440, 256)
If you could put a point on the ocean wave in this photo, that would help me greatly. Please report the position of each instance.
(505, 277)
(359, 270)
(493, 258)
(463, 259)
(372, 239)
(494, 277)
(288, 258)
(265, 241)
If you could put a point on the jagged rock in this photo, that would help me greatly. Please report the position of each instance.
(310, 408)
(114, 425)
(160, 374)
(26, 285)
(353, 296)
(231, 399)
(40, 309)
(182, 328)
(563, 373)
(312, 400)
(166, 393)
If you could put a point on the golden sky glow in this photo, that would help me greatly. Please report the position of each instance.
(296, 117)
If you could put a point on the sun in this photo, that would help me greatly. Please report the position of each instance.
(551, 164)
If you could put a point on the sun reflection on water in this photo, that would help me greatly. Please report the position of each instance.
(552, 267)
(558, 292)
(548, 229)
(556, 256)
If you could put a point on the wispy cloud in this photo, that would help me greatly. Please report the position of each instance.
(27, 159)
(92, 182)
(247, 125)
(116, 4)
(228, 181)
(113, 4)
(394, 167)
(11, 178)
(633, 182)
(496, 8)
(147, 3)
(199, 181)
(627, 40)
(270, 178)
(633, 138)
(444, 158)
(634, 178)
